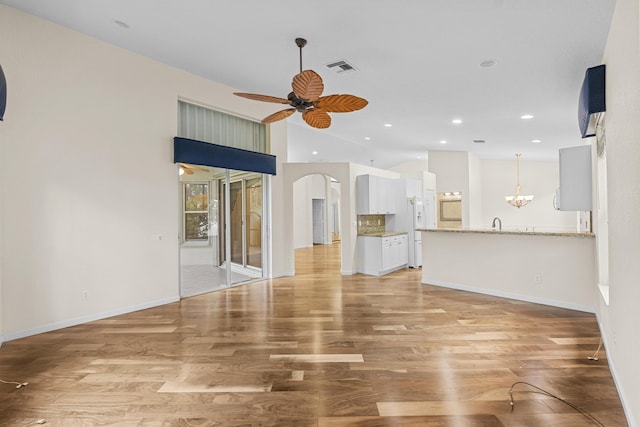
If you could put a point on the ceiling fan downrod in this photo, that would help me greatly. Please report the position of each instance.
(300, 42)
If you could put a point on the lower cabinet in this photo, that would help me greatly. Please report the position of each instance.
(381, 255)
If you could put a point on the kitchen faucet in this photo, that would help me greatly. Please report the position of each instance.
(493, 224)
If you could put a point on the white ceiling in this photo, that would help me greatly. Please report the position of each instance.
(418, 64)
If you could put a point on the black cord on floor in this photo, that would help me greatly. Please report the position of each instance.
(546, 393)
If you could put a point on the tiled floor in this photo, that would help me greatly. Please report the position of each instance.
(200, 279)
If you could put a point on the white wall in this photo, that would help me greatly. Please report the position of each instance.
(452, 174)
(619, 320)
(302, 215)
(413, 169)
(537, 178)
(87, 176)
(1, 234)
(451, 169)
(280, 222)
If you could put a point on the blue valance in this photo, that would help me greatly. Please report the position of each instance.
(206, 154)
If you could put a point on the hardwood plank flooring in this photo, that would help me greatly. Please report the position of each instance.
(318, 349)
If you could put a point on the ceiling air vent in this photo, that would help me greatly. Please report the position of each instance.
(479, 141)
(341, 66)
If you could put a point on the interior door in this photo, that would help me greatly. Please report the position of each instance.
(319, 221)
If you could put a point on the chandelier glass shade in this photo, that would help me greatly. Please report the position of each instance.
(518, 200)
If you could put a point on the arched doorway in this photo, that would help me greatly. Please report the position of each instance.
(316, 213)
(343, 174)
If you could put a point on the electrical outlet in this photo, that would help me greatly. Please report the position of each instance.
(537, 278)
(84, 295)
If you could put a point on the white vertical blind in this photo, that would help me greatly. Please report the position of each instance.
(204, 124)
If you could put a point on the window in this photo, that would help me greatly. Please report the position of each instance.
(195, 218)
(204, 124)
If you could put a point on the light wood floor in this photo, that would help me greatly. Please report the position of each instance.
(318, 349)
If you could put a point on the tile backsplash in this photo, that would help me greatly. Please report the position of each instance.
(370, 224)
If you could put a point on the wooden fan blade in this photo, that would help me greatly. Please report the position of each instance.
(341, 103)
(200, 168)
(282, 114)
(264, 98)
(317, 119)
(307, 85)
(186, 169)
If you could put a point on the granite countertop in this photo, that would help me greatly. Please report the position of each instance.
(517, 232)
(383, 234)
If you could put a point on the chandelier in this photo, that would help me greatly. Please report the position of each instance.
(518, 200)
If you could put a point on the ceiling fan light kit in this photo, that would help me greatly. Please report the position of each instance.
(305, 98)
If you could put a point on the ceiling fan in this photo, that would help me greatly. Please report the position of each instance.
(307, 87)
(189, 169)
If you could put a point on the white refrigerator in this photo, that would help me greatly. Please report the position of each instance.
(416, 219)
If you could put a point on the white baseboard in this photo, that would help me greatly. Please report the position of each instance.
(85, 319)
(284, 274)
(519, 297)
(612, 368)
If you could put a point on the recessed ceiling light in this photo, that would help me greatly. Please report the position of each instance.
(536, 141)
(121, 23)
(487, 63)
(456, 121)
(443, 142)
(526, 117)
(314, 153)
(367, 138)
(388, 125)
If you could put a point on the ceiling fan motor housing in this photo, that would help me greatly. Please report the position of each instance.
(301, 105)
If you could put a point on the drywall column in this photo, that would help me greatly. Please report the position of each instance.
(620, 318)
(281, 217)
(1, 186)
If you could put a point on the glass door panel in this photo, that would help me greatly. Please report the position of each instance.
(253, 222)
(236, 221)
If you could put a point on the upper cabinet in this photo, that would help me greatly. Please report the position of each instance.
(375, 195)
(574, 193)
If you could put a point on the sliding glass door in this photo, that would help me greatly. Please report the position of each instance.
(253, 221)
(245, 205)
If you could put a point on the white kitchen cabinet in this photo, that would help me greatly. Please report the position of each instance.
(574, 193)
(379, 255)
(375, 195)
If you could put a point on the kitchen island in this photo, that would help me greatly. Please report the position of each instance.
(553, 268)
